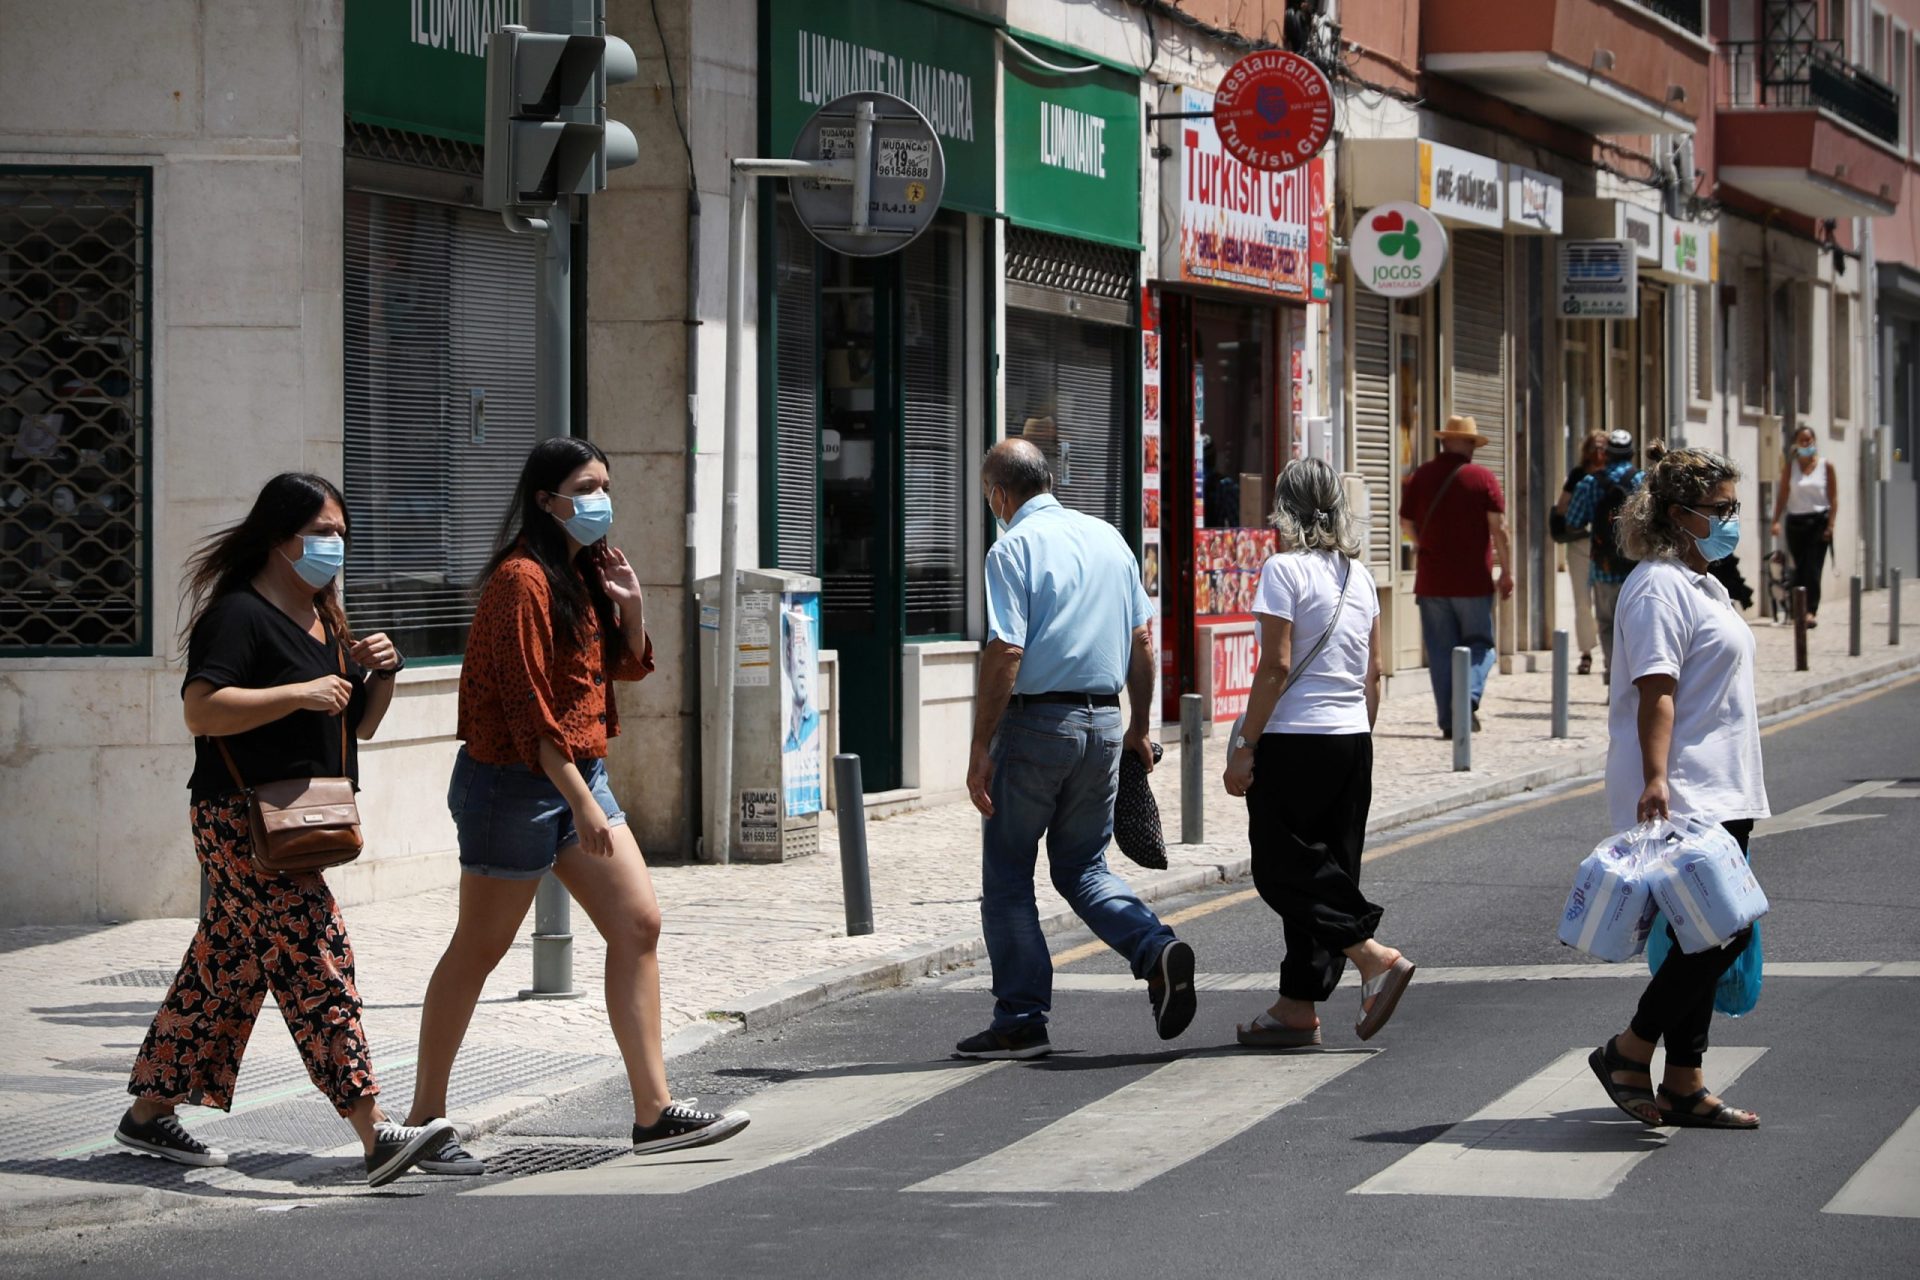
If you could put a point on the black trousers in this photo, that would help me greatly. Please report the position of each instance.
(1807, 544)
(1677, 1005)
(1307, 822)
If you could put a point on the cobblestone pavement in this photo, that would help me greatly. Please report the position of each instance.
(77, 999)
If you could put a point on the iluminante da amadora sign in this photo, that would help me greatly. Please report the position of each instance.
(1398, 249)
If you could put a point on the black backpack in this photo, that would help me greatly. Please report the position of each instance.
(1607, 556)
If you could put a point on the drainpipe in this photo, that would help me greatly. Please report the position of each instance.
(691, 779)
(1680, 181)
(1872, 491)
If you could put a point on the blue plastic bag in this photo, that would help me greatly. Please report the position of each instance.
(1739, 989)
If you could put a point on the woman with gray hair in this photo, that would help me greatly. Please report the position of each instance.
(1684, 739)
(1307, 773)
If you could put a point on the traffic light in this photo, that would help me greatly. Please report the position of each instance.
(548, 136)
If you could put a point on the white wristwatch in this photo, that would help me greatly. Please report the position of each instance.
(1240, 742)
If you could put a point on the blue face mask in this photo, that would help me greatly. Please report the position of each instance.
(592, 517)
(1723, 536)
(1807, 450)
(321, 556)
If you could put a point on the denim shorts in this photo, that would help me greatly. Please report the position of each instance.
(513, 823)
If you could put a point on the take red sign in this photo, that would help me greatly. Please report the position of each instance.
(1274, 110)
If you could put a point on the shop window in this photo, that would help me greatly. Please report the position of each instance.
(1235, 349)
(74, 411)
(933, 432)
(439, 410)
(1842, 361)
(796, 394)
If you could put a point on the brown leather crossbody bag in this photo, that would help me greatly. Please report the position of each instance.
(302, 824)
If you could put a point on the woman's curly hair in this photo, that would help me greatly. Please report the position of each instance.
(1683, 478)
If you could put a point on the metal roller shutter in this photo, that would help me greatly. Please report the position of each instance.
(933, 434)
(796, 408)
(1480, 343)
(1372, 356)
(439, 365)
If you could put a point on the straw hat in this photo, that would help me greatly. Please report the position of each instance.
(1461, 427)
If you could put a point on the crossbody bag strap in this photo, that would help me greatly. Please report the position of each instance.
(1339, 605)
(1420, 533)
(232, 768)
(340, 651)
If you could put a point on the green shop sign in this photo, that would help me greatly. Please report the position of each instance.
(935, 58)
(421, 65)
(1073, 151)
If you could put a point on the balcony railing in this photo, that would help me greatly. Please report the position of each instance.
(1809, 73)
(1681, 13)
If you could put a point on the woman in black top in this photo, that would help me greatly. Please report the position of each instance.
(273, 670)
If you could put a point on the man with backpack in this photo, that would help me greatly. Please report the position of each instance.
(1596, 506)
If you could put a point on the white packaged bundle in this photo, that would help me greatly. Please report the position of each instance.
(1704, 886)
(1609, 912)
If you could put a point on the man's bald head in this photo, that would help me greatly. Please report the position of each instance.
(1018, 467)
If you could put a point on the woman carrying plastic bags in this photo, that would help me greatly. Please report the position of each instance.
(1684, 740)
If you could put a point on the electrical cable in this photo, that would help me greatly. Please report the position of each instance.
(673, 94)
(1043, 64)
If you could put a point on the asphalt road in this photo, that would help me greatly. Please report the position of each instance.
(1468, 1139)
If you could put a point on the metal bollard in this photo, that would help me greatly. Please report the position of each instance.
(1462, 709)
(1799, 628)
(552, 943)
(1193, 762)
(1893, 609)
(1562, 653)
(1854, 587)
(855, 886)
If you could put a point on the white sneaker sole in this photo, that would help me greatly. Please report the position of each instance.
(459, 1168)
(406, 1157)
(211, 1160)
(719, 1131)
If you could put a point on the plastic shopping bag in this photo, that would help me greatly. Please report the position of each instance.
(1739, 989)
(1703, 885)
(1610, 911)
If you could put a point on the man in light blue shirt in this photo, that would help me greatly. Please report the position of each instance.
(1069, 627)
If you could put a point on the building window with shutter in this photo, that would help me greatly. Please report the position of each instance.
(1753, 337)
(1842, 359)
(1803, 348)
(933, 432)
(439, 409)
(75, 300)
(1700, 342)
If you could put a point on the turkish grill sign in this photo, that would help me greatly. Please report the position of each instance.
(1398, 249)
(1274, 110)
(1244, 227)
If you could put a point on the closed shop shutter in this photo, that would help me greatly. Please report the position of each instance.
(796, 408)
(1480, 342)
(1372, 356)
(439, 364)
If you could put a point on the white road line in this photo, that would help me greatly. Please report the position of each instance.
(1553, 1137)
(1102, 983)
(1809, 816)
(789, 1120)
(1888, 1184)
(1144, 1129)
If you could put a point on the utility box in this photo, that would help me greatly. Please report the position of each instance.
(778, 735)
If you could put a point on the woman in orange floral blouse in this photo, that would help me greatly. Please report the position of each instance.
(560, 617)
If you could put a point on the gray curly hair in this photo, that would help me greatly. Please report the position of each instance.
(1310, 510)
(1683, 478)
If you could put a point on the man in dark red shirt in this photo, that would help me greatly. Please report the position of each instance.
(1454, 514)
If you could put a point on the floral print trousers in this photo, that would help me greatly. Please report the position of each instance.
(257, 930)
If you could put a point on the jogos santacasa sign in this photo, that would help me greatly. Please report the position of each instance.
(1398, 249)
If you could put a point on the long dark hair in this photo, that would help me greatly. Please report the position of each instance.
(233, 557)
(575, 587)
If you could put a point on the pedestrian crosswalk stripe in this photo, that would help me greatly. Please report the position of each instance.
(789, 1120)
(1102, 983)
(1888, 1184)
(1555, 1136)
(1155, 1124)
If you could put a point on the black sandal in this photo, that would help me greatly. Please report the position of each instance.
(1586, 664)
(1686, 1116)
(1605, 1061)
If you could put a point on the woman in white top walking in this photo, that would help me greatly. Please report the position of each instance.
(1307, 771)
(1684, 738)
(1808, 499)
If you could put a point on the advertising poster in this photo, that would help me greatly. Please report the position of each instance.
(1226, 569)
(800, 752)
(1150, 444)
(1235, 656)
(1243, 227)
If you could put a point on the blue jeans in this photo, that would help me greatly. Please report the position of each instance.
(1446, 622)
(1056, 769)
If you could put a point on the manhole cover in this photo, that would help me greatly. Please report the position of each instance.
(519, 1162)
(135, 978)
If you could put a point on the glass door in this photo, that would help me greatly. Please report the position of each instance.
(1415, 447)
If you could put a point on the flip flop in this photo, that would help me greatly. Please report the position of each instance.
(1264, 1033)
(1385, 992)
(1605, 1061)
(1685, 1116)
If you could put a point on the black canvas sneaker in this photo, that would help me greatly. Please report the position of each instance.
(1171, 990)
(398, 1147)
(1029, 1040)
(451, 1157)
(684, 1125)
(164, 1136)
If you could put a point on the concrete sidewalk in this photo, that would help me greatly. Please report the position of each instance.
(744, 945)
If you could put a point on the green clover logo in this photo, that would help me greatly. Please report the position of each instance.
(1399, 238)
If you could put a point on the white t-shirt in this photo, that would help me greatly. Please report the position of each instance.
(1303, 587)
(1675, 622)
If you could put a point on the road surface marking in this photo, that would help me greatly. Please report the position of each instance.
(790, 1120)
(1142, 1130)
(1553, 1137)
(1106, 983)
(1809, 816)
(1888, 1184)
